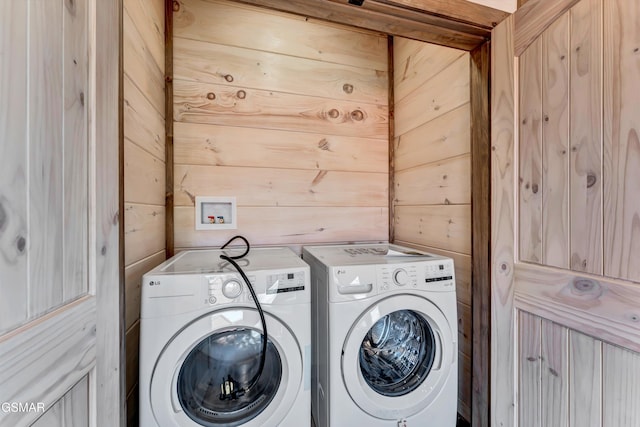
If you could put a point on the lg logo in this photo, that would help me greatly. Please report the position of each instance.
(154, 283)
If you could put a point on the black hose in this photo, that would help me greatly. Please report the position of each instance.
(263, 352)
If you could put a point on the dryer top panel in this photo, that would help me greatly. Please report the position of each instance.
(209, 261)
(368, 254)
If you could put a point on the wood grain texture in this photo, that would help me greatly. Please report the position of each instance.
(554, 371)
(585, 381)
(533, 18)
(148, 20)
(143, 125)
(13, 164)
(503, 152)
(444, 137)
(604, 308)
(140, 65)
(481, 231)
(280, 187)
(621, 161)
(465, 328)
(55, 353)
(416, 62)
(291, 225)
(107, 224)
(586, 137)
(234, 24)
(555, 144)
(46, 169)
(530, 370)
(464, 391)
(620, 388)
(144, 176)
(247, 68)
(72, 410)
(530, 159)
(446, 227)
(444, 182)
(201, 144)
(143, 231)
(132, 279)
(385, 17)
(168, 126)
(132, 360)
(276, 110)
(444, 92)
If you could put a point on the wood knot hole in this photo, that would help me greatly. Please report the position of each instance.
(546, 118)
(333, 113)
(21, 244)
(591, 180)
(241, 94)
(82, 98)
(534, 188)
(103, 251)
(347, 88)
(228, 78)
(324, 144)
(211, 96)
(176, 6)
(503, 266)
(357, 115)
(635, 318)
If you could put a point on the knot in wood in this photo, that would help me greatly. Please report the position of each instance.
(333, 113)
(347, 88)
(241, 94)
(21, 244)
(357, 115)
(211, 96)
(591, 180)
(534, 188)
(228, 78)
(176, 6)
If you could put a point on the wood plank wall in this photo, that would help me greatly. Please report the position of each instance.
(144, 166)
(432, 170)
(286, 114)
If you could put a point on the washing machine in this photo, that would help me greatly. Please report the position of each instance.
(384, 334)
(201, 344)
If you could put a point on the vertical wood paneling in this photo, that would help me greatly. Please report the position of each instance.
(586, 137)
(46, 194)
(503, 208)
(76, 153)
(621, 139)
(530, 181)
(13, 164)
(72, 410)
(555, 144)
(530, 363)
(555, 375)
(585, 381)
(621, 387)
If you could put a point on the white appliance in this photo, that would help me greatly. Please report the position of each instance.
(384, 333)
(201, 341)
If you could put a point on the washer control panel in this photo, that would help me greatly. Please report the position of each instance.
(433, 275)
(285, 282)
(228, 287)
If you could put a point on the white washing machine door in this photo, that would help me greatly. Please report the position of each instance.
(187, 380)
(397, 356)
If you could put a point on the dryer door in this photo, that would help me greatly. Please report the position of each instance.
(215, 351)
(398, 356)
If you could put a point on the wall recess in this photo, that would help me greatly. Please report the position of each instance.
(216, 213)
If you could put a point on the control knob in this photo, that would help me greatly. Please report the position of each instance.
(231, 288)
(400, 277)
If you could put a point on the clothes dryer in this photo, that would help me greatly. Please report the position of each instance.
(384, 333)
(201, 341)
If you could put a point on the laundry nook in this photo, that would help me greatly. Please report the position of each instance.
(319, 213)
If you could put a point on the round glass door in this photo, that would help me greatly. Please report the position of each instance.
(214, 378)
(397, 353)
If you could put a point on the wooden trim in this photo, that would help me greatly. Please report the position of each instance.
(392, 167)
(606, 309)
(456, 10)
(392, 19)
(121, 210)
(168, 114)
(533, 18)
(502, 225)
(480, 233)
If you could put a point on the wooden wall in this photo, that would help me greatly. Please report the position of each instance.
(144, 166)
(288, 115)
(432, 169)
(567, 174)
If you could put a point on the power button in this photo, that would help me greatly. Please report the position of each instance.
(212, 299)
